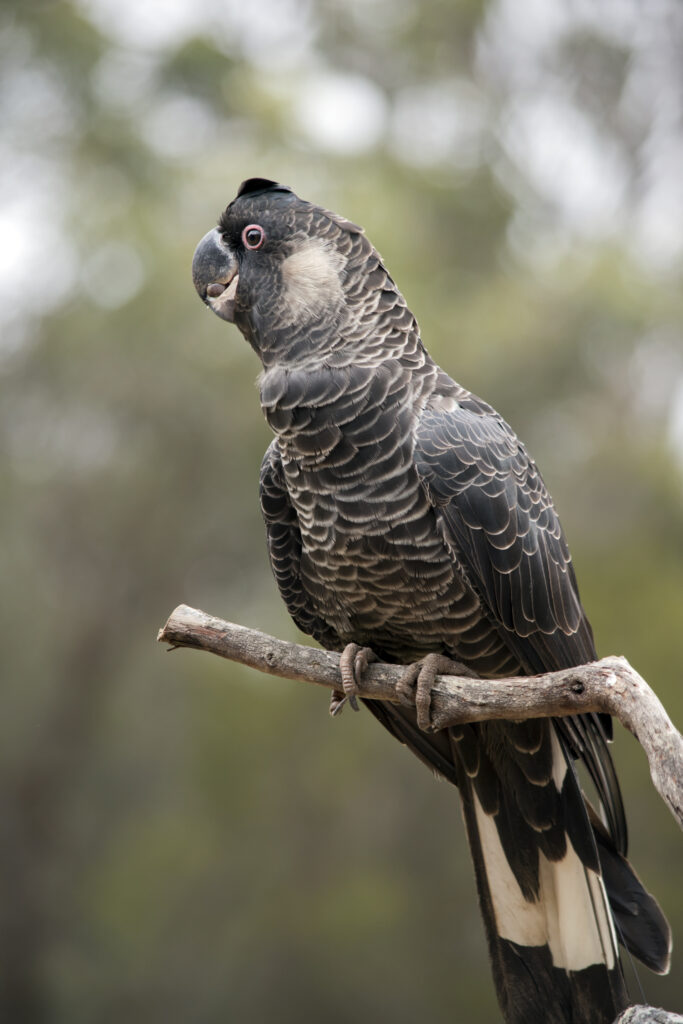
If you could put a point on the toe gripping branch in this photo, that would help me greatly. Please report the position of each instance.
(415, 685)
(418, 680)
(352, 664)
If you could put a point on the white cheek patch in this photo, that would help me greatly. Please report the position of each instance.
(571, 915)
(312, 279)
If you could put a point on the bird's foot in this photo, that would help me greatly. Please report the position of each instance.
(352, 663)
(417, 682)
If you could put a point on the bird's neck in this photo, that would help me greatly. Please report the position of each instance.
(328, 411)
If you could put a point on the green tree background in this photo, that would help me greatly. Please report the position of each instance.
(184, 840)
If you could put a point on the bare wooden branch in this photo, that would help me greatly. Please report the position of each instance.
(648, 1015)
(610, 685)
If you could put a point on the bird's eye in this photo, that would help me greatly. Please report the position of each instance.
(253, 236)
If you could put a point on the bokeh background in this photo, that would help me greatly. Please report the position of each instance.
(182, 839)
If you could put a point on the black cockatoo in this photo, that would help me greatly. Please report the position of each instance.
(404, 517)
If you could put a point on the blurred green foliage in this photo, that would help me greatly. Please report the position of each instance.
(183, 840)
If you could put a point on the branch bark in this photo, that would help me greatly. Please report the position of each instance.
(610, 685)
(648, 1015)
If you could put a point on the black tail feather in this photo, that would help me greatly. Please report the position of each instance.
(530, 988)
(641, 925)
(540, 979)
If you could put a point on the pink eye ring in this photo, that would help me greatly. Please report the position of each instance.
(253, 236)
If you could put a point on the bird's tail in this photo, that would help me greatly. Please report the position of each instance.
(551, 880)
(549, 926)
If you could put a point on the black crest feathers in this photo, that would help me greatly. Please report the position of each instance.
(257, 186)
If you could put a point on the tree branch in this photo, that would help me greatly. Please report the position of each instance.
(610, 685)
(648, 1015)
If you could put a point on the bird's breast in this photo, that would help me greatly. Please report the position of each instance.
(373, 560)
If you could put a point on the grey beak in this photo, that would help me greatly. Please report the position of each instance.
(214, 273)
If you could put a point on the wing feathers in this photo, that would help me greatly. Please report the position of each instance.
(495, 508)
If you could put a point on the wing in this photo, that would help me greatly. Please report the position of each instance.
(284, 548)
(495, 510)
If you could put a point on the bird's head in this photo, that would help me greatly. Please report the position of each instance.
(300, 282)
(278, 267)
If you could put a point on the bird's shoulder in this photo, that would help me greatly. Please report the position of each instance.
(462, 441)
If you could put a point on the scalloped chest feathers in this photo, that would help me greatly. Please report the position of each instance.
(374, 559)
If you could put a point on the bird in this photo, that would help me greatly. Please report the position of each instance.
(405, 521)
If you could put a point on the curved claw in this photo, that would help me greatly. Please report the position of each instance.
(352, 663)
(417, 683)
(337, 702)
